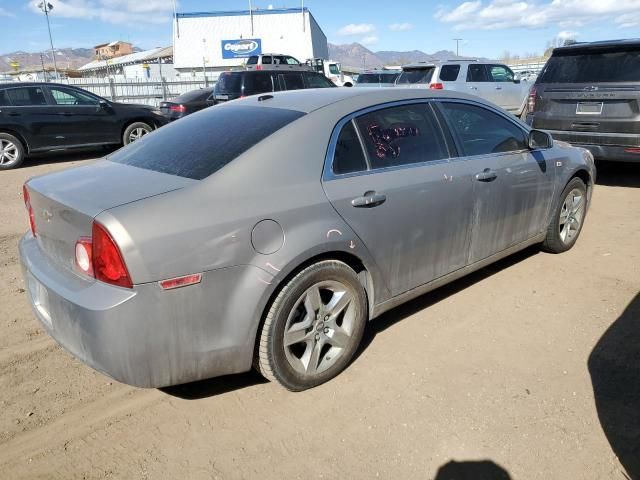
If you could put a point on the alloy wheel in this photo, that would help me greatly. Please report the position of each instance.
(8, 152)
(571, 215)
(137, 134)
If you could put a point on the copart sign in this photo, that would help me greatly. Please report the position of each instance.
(241, 48)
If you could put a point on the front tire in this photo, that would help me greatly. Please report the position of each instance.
(313, 327)
(12, 152)
(568, 218)
(135, 131)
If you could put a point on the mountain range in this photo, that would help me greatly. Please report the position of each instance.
(351, 55)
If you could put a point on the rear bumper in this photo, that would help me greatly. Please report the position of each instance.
(606, 148)
(145, 336)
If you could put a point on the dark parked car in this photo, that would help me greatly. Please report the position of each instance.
(172, 261)
(187, 103)
(377, 79)
(232, 85)
(588, 94)
(38, 117)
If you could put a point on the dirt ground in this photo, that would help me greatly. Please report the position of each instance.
(528, 369)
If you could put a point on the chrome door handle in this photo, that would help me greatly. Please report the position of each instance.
(487, 175)
(369, 200)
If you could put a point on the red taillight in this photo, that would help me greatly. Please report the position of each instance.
(531, 101)
(181, 281)
(178, 108)
(108, 265)
(632, 150)
(436, 86)
(27, 203)
(258, 67)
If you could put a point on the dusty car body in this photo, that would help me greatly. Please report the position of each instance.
(212, 241)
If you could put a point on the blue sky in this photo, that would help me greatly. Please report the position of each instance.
(487, 27)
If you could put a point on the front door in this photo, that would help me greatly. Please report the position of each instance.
(512, 185)
(408, 204)
(506, 93)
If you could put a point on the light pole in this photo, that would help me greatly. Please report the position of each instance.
(46, 7)
(458, 40)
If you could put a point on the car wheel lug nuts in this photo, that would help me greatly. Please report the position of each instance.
(317, 336)
(326, 317)
(326, 329)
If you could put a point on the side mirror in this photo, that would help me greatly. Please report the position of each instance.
(539, 140)
(104, 104)
(516, 80)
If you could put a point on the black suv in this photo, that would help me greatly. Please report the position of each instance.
(588, 94)
(39, 117)
(232, 85)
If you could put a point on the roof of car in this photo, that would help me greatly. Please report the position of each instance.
(309, 100)
(627, 42)
(433, 63)
(34, 84)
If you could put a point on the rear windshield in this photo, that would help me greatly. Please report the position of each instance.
(201, 144)
(229, 83)
(415, 75)
(619, 65)
(194, 95)
(377, 77)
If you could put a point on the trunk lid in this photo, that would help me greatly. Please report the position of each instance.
(65, 203)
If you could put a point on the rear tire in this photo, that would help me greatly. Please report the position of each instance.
(12, 152)
(566, 223)
(313, 327)
(135, 131)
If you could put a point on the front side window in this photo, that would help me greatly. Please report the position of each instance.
(26, 96)
(348, 157)
(293, 81)
(66, 96)
(449, 73)
(482, 131)
(401, 135)
(500, 73)
(333, 69)
(477, 73)
(291, 61)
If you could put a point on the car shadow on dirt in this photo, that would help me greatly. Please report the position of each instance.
(472, 470)
(614, 366)
(220, 385)
(618, 174)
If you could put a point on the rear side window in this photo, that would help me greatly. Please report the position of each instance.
(193, 147)
(401, 135)
(415, 75)
(26, 96)
(449, 73)
(229, 83)
(368, 78)
(267, 60)
(315, 80)
(259, 82)
(477, 73)
(482, 131)
(349, 156)
(615, 65)
(292, 81)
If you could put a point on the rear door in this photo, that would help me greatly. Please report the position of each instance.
(591, 91)
(29, 113)
(512, 185)
(478, 81)
(407, 203)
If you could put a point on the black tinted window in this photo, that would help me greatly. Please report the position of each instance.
(415, 75)
(67, 96)
(477, 73)
(229, 83)
(252, 60)
(3, 98)
(449, 73)
(203, 150)
(194, 96)
(620, 65)
(23, 96)
(315, 80)
(259, 82)
(349, 156)
(293, 81)
(368, 78)
(482, 131)
(401, 135)
(267, 60)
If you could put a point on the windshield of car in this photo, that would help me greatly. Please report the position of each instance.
(415, 75)
(195, 148)
(229, 83)
(595, 66)
(334, 69)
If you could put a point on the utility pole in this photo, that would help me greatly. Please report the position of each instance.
(251, 16)
(46, 7)
(458, 40)
(44, 72)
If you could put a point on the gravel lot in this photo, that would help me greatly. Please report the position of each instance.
(527, 369)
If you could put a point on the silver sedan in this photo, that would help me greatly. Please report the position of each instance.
(269, 230)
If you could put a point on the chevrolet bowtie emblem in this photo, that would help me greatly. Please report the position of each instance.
(47, 215)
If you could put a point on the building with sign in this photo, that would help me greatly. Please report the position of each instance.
(221, 40)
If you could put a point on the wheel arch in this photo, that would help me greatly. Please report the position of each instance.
(18, 135)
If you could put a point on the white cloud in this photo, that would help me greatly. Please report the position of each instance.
(567, 35)
(369, 40)
(111, 11)
(357, 29)
(500, 14)
(5, 13)
(400, 27)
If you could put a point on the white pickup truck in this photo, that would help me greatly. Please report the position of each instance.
(492, 81)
